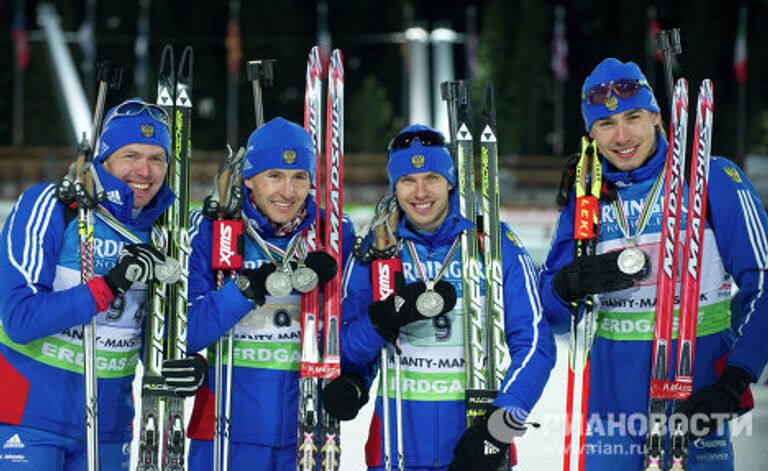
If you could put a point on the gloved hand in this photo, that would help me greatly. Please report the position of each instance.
(141, 263)
(324, 266)
(478, 448)
(592, 274)
(253, 282)
(722, 397)
(399, 309)
(345, 396)
(183, 377)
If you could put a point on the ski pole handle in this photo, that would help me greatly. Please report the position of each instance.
(260, 71)
(668, 42)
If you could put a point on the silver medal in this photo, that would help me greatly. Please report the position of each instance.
(631, 261)
(169, 271)
(429, 303)
(304, 279)
(279, 282)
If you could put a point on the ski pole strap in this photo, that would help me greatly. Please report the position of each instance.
(614, 325)
(270, 249)
(645, 212)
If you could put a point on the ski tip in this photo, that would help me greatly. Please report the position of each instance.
(487, 135)
(463, 133)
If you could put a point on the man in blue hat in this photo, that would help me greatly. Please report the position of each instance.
(621, 115)
(427, 227)
(43, 304)
(278, 209)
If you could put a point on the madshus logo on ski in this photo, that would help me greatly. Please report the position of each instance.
(13, 442)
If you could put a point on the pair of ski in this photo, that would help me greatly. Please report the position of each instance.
(662, 389)
(313, 369)
(162, 415)
(484, 343)
(484, 340)
(680, 388)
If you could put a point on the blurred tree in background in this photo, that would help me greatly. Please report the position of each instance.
(514, 51)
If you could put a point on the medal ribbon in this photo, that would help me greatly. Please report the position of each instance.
(443, 268)
(270, 249)
(645, 213)
(120, 228)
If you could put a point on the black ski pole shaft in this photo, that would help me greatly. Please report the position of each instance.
(260, 73)
(668, 42)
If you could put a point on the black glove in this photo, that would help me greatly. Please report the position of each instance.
(323, 264)
(722, 397)
(593, 274)
(478, 448)
(183, 377)
(399, 309)
(140, 263)
(344, 396)
(253, 282)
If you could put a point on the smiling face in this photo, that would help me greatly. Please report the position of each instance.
(279, 194)
(424, 198)
(627, 139)
(142, 167)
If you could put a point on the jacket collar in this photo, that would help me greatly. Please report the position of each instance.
(263, 226)
(650, 169)
(453, 225)
(119, 201)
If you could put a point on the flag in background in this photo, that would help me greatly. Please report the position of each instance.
(234, 45)
(141, 48)
(559, 62)
(20, 40)
(653, 29)
(740, 49)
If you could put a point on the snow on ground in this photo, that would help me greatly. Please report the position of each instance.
(541, 449)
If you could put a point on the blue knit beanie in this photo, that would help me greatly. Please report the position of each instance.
(280, 144)
(133, 121)
(420, 158)
(610, 70)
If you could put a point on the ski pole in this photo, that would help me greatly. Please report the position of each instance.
(585, 234)
(260, 72)
(227, 229)
(668, 42)
(385, 268)
(87, 194)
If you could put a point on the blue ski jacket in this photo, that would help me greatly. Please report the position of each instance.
(43, 307)
(433, 371)
(267, 351)
(735, 250)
